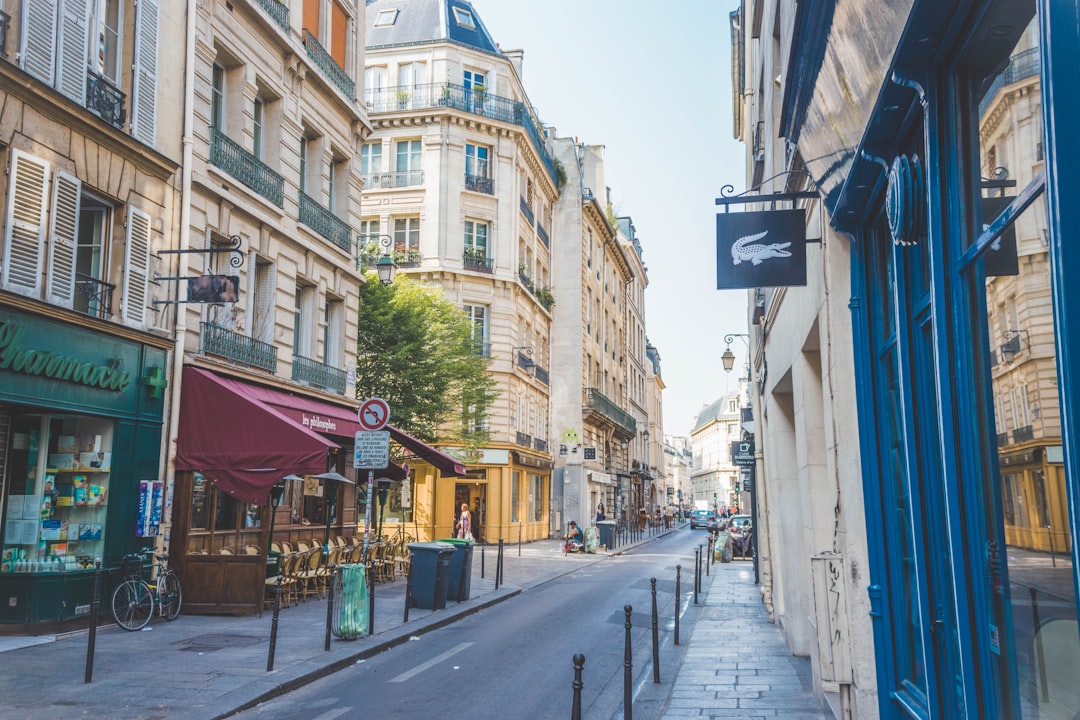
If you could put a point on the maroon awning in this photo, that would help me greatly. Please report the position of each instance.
(246, 437)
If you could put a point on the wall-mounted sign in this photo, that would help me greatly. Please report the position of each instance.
(742, 452)
(213, 289)
(760, 249)
(1000, 258)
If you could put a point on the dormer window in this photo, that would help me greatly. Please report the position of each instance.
(464, 18)
(386, 18)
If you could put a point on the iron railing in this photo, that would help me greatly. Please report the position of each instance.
(527, 211)
(483, 349)
(5, 23)
(1002, 439)
(1021, 66)
(543, 234)
(228, 155)
(540, 445)
(324, 222)
(391, 180)
(478, 262)
(277, 10)
(93, 296)
(470, 100)
(541, 374)
(598, 402)
(328, 66)
(479, 183)
(313, 372)
(1023, 434)
(523, 439)
(104, 99)
(216, 340)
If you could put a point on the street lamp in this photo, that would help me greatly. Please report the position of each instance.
(276, 491)
(1013, 344)
(728, 358)
(386, 266)
(331, 480)
(524, 359)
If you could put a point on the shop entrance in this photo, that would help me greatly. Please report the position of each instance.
(474, 494)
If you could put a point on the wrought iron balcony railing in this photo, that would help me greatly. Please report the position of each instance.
(598, 402)
(228, 155)
(543, 235)
(540, 445)
(324, 222)
(93, 296)
(523, 439)
(104, 99)
(277, 10)
(391, 180)
(527, 211)
(1023, 434)
(5, 23)
(313, 372)
(1022, 65)
(329, 67)
(478, 262)
(216, 340)
(483, 349)
(471, 100)
(1002, 439)
(478, 183)
(541, 374)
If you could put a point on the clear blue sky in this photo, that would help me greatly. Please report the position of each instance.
(651, 82)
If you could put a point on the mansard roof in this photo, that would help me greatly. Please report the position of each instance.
(425, 21)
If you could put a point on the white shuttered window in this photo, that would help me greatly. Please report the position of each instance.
(136, 267)
(24, 233)
(63, 236)
(144, 95)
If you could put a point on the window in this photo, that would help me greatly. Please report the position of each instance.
(407, 235)
(515, 495)
(411, 78)
(93, 296)
(464, 18)
(258, 111)
(217, 98)
(369, 231)
(305, 149)
(374, 87)
(303, 312)
(333, 332)
(408, 163)
(262, 311)
(386, 18)
(476, 239)
(370, 159)
(338, 187)
(105, 25)
(478, 315)
(477, 160)
(536, 498)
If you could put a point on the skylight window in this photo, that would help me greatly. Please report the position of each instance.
(464, 18)
(386, 18)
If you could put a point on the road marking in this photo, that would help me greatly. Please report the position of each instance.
(331, 714)
(432, 662)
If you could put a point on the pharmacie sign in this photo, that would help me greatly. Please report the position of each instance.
(15, 356)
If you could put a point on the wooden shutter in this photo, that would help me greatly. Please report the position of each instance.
(311, 16)
(339, 32)
(24, 233)
(144, 90)
(63, 238)
(39, 38)
(136, 267)
(265, 280)
(71, 44)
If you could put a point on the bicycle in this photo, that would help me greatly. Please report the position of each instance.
(134, 599)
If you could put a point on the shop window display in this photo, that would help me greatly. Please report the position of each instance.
(56, 491)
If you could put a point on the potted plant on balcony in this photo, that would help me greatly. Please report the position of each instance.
(478, 97)
(545, 297)
(403, 98)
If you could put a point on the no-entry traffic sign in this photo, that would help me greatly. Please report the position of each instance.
(373, 414)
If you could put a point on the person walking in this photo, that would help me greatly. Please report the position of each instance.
(464, 523)
(600, 513)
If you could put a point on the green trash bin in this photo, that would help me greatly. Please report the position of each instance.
(460, 583)
(350, 602)
(430, 568)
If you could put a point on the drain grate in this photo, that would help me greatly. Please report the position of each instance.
(210, 643)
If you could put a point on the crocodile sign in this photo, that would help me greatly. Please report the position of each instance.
(760, 249)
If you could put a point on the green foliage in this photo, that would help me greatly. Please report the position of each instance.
(560, 174)
(415, 350)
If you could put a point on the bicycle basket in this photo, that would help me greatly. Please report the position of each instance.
(131, 566)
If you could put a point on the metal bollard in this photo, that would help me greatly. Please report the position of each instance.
(499, 565)
(482, 546)
(91, 638)
(628, 670)
(408, 593)
(329, 604)
(371, 604)
(655, 637)
(678, 592)
(697, 565)
(708, 560)
(519, 541)
(579, 664)
(274, 625)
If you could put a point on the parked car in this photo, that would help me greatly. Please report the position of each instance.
(740, 522)
(699, 519)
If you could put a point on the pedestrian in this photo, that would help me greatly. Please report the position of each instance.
(464, 523)
(600, 512)
(644, 518)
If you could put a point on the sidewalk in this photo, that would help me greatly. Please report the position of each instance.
(203, 667)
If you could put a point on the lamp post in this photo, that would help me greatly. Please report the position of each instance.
(385, 265)
(1014, 345)
(331, 480)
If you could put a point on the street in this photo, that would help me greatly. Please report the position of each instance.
(519, 653)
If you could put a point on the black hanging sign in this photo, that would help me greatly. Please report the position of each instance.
(761, 249)
(1000, 257)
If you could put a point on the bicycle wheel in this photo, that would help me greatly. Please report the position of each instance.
(132, 604)
(169, 595)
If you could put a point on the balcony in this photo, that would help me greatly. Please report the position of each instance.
(245, 167)
(216, 340)
(1023, 434)
(328, 66)
(324, 222)
(471, 100)
(93, 296)
(543, 235)
(312, 372)
(477, 261)
(104, 99)
(278, 11)
(1021, 66)
(523, 439)
(483, 349)
(5, 23)
(527, 211)
(480, 184)
(598, 404)
(541, 374)
(1002, 439)
(391, 180)
(540, 445)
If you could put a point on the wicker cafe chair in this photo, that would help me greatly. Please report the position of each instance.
(312, 575)
(286, 574)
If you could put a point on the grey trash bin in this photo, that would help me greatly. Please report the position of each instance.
(459, 585)
(606, 529)
(430, 574)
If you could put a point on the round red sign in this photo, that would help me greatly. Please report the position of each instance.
(373, 414)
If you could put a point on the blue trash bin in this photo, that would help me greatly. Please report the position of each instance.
(430, 568)
(459, 585)
(606, 529)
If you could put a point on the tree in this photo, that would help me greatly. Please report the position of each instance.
(416, 351)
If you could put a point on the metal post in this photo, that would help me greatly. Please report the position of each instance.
(408, 593)
(499, 565)
(329, 604)
(579, 664)
(482, 546)
(1043, 688)
(697, 564)
(461, 583)
(519, 540)
(371, 603)
(274, 626)
(678, 601)
(712, 551)
(1050, 537)
(655, 637)
(91, 638)
(628, 670)
(367, 515)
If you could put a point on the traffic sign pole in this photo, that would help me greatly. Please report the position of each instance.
(372, 448)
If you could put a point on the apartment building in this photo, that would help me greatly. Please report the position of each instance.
(460, 186)
(713, 477)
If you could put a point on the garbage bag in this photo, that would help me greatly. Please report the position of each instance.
(592, 539)
(351, 602)
(722, 547)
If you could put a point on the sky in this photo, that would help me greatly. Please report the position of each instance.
(652, 83)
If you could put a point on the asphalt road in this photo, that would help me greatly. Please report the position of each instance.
(514, 660)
